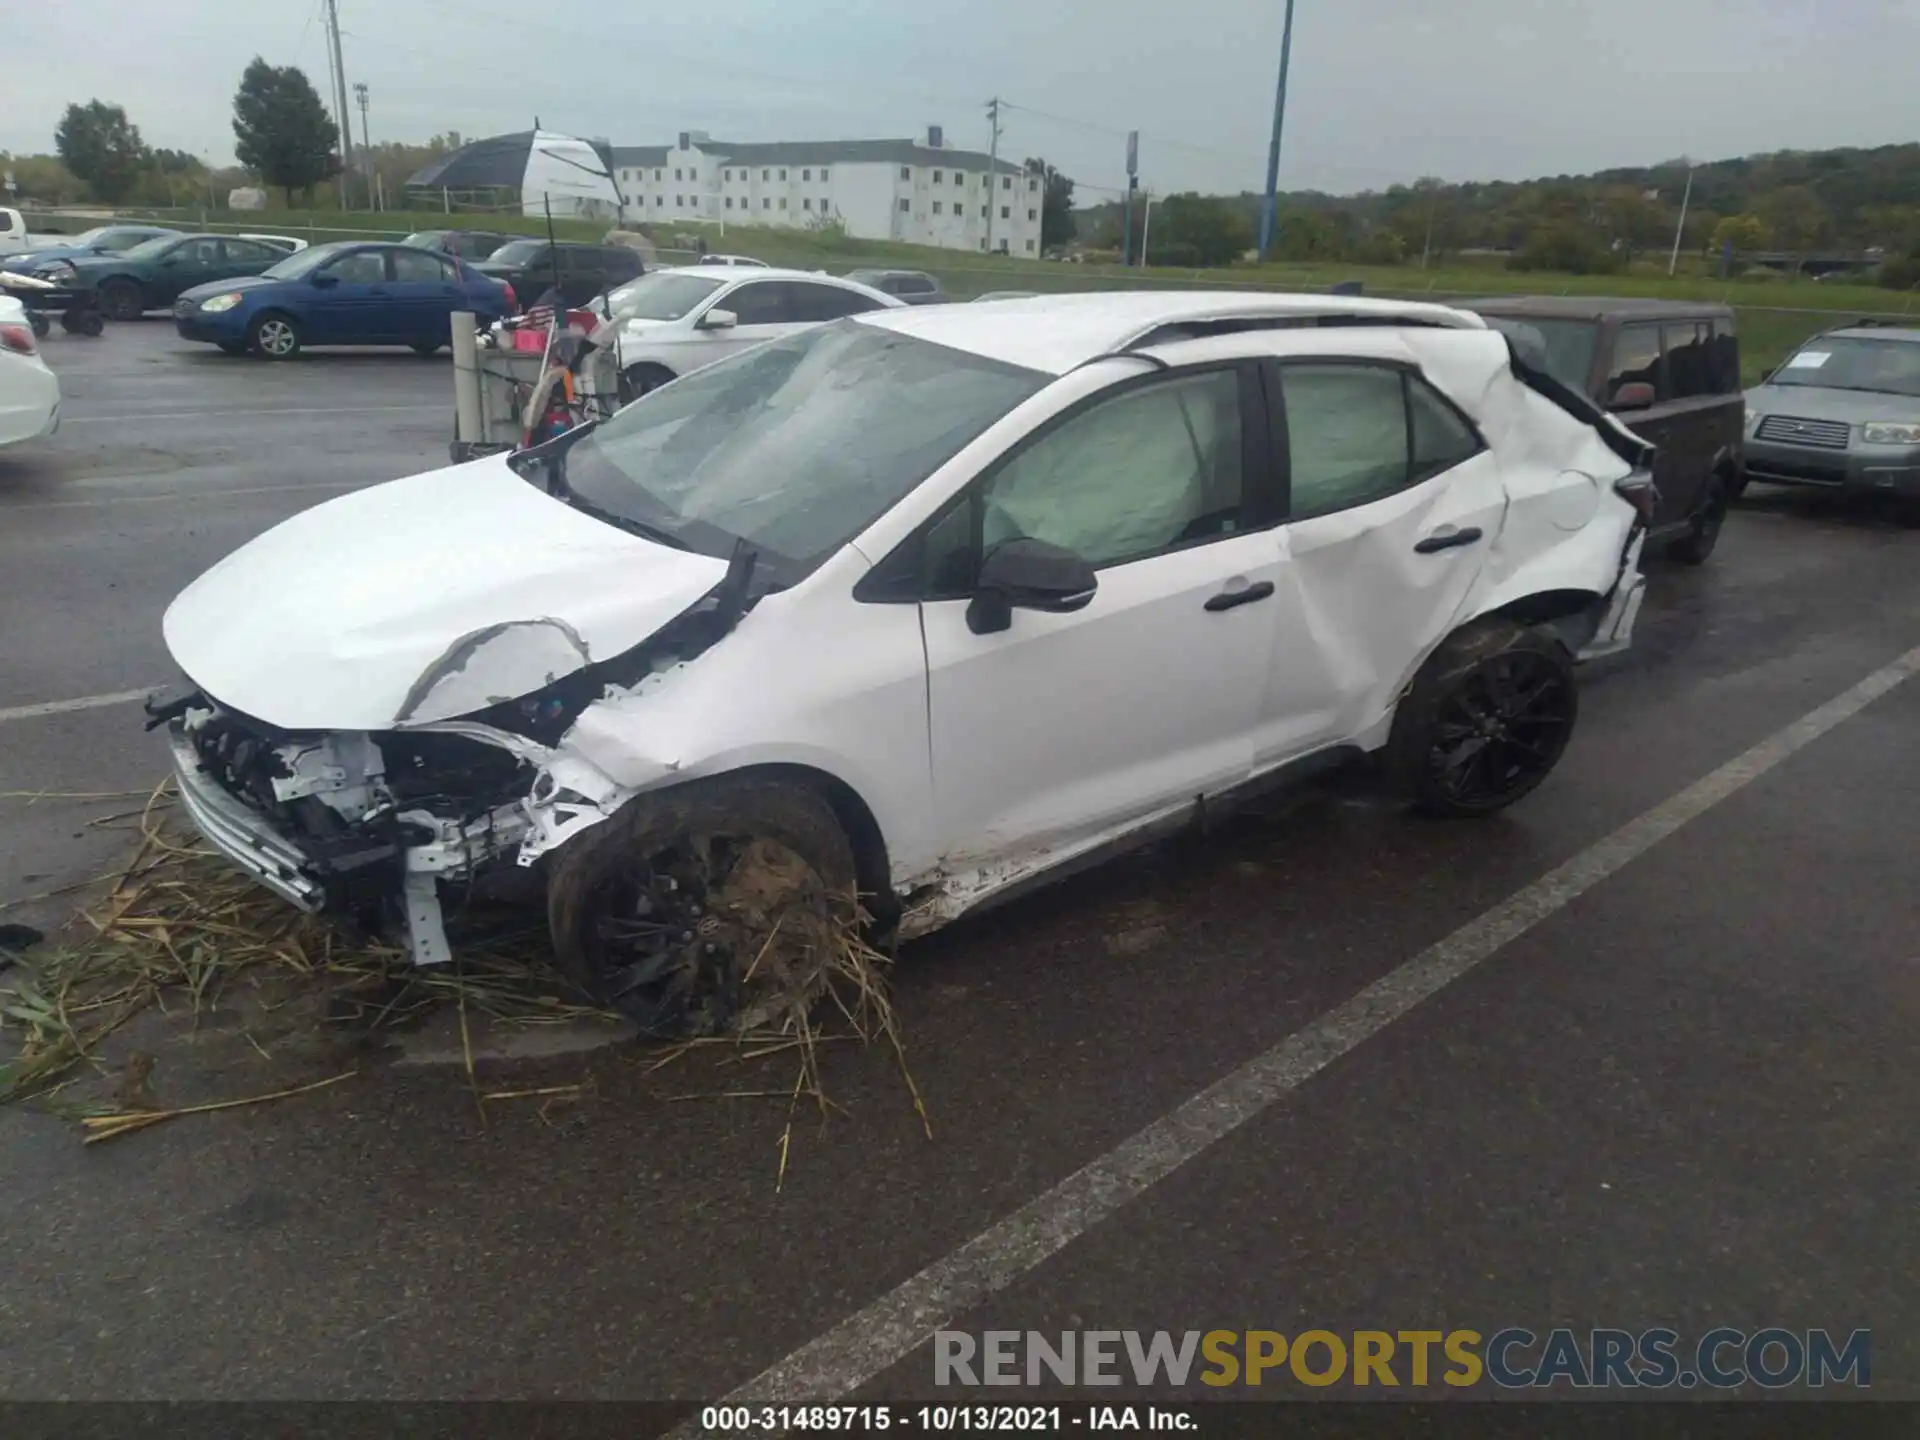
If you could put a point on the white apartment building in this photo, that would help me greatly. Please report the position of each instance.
(916, 191)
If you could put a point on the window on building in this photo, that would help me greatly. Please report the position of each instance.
(806, 174)
(1029, 244)
(806, 204)
(659, 200)
(766, 174)
(984, 212)
(906, 172)
(679, 202)
(903, 206)
(936, 207)
(783, 174)
(938, 176)
(766, 204)
(660, 174)
(1032, 186)
(783, 202)
(729, 202)
(679, 174)
(1006, 212)
(693, 172)
(823, 177)
(1033, 215)
(983, 244)
(1006, 182)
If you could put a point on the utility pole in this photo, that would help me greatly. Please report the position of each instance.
(1673, 261)
(993, 166)
(340, 99)
(366, 144)
(1133, 184)
(1273, 146)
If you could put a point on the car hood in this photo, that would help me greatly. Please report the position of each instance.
(226, 287)
(423, 599)
(1820, 402)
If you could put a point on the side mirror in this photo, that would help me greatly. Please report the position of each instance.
(1028, 575)
(1634, 395)
(325, 282)
(718, 320)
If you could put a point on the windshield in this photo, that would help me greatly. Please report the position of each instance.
(1888, 367)
(1562, 348)
(795, 446)
(663, 295)
(304, 262)
(93, 236)
(517, 252)
(151, 249)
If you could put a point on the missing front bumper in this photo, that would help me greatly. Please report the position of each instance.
(379, 868)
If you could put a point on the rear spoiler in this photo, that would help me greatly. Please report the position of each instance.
(1617, 437)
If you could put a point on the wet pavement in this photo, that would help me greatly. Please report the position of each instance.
(1684, 1098)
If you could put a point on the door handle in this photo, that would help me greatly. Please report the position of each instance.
(1228, 599)
(1453, 539)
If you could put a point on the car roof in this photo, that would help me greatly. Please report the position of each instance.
(1055, 333)
(757, 272)
(1909, 335)
(1590, 307)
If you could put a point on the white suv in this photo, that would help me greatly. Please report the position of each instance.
(925, 603)
(672, 322)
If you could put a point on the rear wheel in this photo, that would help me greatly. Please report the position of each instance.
(39, 324)
(638, 380)
(274, 337)
(1485, 720)
(122, 300)
(717, 907)
(1703, 534)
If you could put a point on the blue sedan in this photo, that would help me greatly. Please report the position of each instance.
(340, 294)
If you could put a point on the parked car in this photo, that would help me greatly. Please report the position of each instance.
(13, 231)
(1671, 370)
(914, 287)
(101, 240)
(346, 293)
(673, 322)
(151, 276)
(467, 244)
(285, 244)
(732, 260)
(29, 391)
(581, 272)
(927, 603)
(1843, 411)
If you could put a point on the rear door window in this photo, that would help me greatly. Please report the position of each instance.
(1636, 359)
(420, 267)
(1347, 435)
(1690, 359)
(828, 302)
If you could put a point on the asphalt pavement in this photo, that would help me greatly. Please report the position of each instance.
(1671, 1084)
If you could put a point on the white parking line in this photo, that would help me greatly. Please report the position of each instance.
(85, 702)
(140, 417)
(866, 1344)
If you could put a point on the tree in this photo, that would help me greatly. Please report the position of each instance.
(1056, 205)
(1796, 216)
(1742, 232)
(283, 132)
(1564, 246)
(101, 147)
(1199, 230)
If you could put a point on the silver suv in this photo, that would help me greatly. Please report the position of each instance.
(1842, 412)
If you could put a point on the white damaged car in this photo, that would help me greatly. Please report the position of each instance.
(930, 603)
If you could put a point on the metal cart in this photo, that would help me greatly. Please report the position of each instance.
(78, 306)
(507, 398)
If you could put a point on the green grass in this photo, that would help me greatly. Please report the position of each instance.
(1774, 314)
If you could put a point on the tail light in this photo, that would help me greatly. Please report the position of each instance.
(19, 339)
(1638, 491)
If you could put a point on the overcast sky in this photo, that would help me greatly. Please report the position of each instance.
(1381, 90)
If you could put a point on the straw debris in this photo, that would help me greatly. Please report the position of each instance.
(180, 932)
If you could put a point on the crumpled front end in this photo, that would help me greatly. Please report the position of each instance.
(350, 822)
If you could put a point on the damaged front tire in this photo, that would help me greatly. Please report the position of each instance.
(720, 906)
